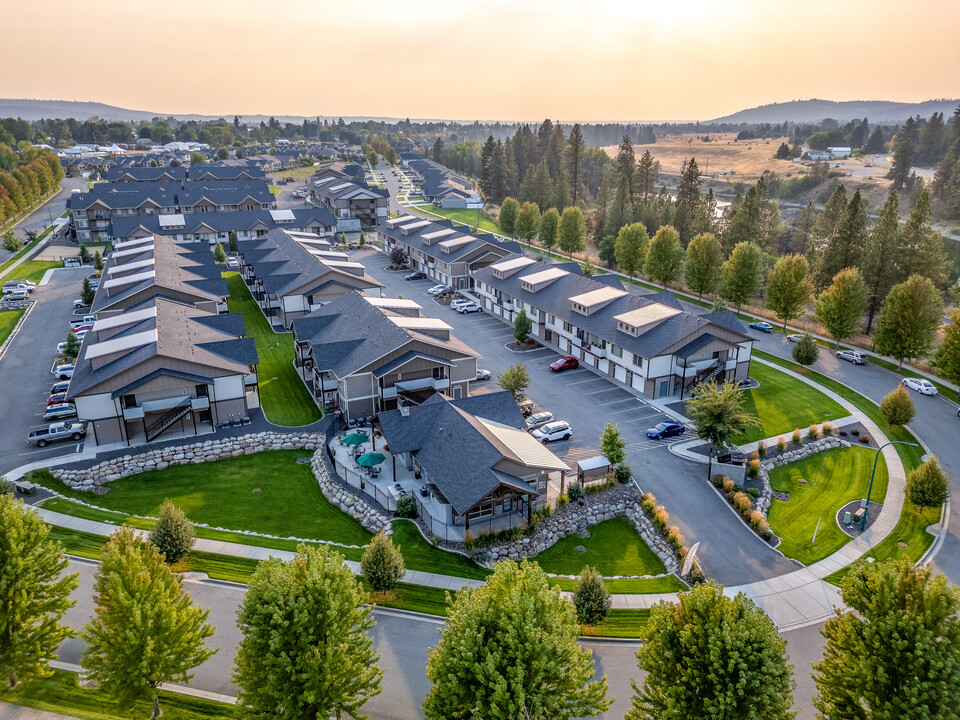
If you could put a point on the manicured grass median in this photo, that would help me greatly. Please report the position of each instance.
(463, 215)
(285, 399)
(418, 554)
(8, 321)
(34, 270)
(62, 694)
(833, 479)
(620, 623)
(613, 548)
(783, 403)
(634, 586)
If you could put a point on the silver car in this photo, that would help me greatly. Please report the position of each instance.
(852, 356)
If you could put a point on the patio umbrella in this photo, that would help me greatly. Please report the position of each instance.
(356, 438)
(370, 459)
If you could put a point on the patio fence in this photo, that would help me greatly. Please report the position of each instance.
(361, 482)
(478, 526)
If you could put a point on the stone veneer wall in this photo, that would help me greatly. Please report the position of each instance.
(578, 515)
(211, 450)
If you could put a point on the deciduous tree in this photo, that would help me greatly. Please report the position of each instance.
(712, 656)
(146, 630)
(717, 412)
(490, 662)
(306, 650)
(173, 535)
(789, 288)
(382, 564)
(34, 593)
(612, 445)
(702, 267)
(508, 215)
(896, 654)
(630, 249)
(521, 327)
(71, 346)
(928, 485)
(741, 274)
(548, 228)
(664, 256)
(897, 407)
(909, 320)
(219, 255)
(948, 354)
(571, 233)
(528, 221)
(515, 380)
(839, 307)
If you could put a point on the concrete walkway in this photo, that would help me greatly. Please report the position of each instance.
(19, 712)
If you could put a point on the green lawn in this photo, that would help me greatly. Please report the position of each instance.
(613, 548)
(275, 189)
(620, 623)
(33, 269)
(220, 494)
(783, 403)
(462, 215)
(834, 478)
(634, 586)
(8, 321)
(61, 693)
(285, 399)
(418, 554)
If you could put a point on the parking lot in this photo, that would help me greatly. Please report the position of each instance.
(25, 378)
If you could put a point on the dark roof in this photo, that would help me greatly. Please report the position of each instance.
(176, 195)
(223, 222)
(399, 362)
(480, 246)
(691, 347)
(727, 319)
(440, 181)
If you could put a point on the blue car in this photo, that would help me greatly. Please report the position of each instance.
(665, 430)
(762, 327)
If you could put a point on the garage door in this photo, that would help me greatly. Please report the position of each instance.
(620, 373)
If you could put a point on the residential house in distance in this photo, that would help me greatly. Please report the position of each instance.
(353, 202)
(646, 343)
(500, 475)
(210, 228)
(443, 187)
(204, 172)
(365, 354)
(291, 274)
(166, 368)
(444, 252)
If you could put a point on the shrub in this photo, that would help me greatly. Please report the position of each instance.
(661, 517)
(741, 502)
(469, 541)
(828, 429)
(6, 487)
(738, 488)
(754, 455)
(648, 502)
(563, 501)
(675, 538)
(796, 439)
(435, 540)
(754, 468)
(753, 492)
(865, 439)
(173, 534)
(382, 564)
(928, 485)
(761, 449)
(591, 597)
(897, 407)
(842, 433)
(575, 490)
(855, 432)
(717, 480)
(599, 487)
(406, 507)
(781, 444)
(727, 485)
(805, 350)
(622, 474)
(813, 432)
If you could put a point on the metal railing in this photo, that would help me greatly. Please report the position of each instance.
(168, 418)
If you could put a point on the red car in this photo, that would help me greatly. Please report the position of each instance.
(565, 363)
(57, 398)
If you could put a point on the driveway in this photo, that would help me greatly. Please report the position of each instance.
(25, 378)
(729, 552)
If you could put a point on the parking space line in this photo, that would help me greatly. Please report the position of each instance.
(614, 402)
(596, 392)
(580, 382)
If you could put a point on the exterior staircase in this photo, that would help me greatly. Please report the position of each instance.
(168, 418)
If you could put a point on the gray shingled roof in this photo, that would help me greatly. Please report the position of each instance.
(223, 222)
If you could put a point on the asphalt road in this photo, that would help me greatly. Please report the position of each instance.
(25, 378)
(44, 215)
(393, 185)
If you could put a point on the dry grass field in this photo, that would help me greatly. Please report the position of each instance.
(747, 158)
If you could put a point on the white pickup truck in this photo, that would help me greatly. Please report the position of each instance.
(56, 432)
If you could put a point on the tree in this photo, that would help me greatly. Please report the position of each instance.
(491, 662)
(621, 209)
(839, 307)
(626, 163)
(572, 230)
(741, 274)
(702, 267)
(645, 179)
(909, 320)
(928, 485)
(897, 407)
(560, 197)
(87, 293)
(71, 347)
(146, 630)
(712, 656)
(84, 254)
(576, 147)
(665, 256)
(789, 288)
(805, 350)
(11, 242)
(306, 650)
(382, 564)
(803, 228)
(528, 221)
(197, 159)
(897, 654)
(515, 380)
(591, 597)
(98, 263)
(521, 327)
(630, 248)
(921, 248)
(879, 267)
(223, 153)
(219, 255)
(845, 247)
(599, 217)
(548, 228)
(34, 593)
(362, 240)
(608, 250)
(612, 445)
(783, 152)
(173, 534)
(689, 200)
(717, 412)
(438, 149)
(508, 215)
(948, 355)
(904, 152)
(232, 241)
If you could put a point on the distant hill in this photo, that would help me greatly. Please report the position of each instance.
(877, 111)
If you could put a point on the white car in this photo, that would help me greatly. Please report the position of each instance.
(78, 303)
(64, 372)
(538, 419)
(232, 262)
(458, 302)
(924, 387)
(436, 288)
(793, 338)
(470, 307)
(559, 430)
(483, 374)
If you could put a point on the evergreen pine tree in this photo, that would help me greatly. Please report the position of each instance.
(879, 267)
(921, 249)
(845, 247)
(626, 163)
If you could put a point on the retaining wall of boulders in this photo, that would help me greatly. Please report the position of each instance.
(578, 516)
(790, 456)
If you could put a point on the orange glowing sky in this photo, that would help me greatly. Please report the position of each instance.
(491, 59)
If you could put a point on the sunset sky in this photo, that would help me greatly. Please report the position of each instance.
(488, 60)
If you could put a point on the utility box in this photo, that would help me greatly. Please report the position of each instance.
(859, 514)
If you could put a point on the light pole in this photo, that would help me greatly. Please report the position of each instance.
(866, 509)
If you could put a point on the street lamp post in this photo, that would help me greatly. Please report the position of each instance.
(866, 509)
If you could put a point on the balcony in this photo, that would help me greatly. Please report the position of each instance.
(418, 384)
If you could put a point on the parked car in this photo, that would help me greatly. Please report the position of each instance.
(16, 287)
(435, 289)
(85, 320)
(762, 326)
(56, 399)
(527, 407)
(538, 419)
(852, 356)
(444, 290)
(664, 430)
(232, 262)
(64, 371)
(458, 302)
(57, 432)
(469, 307)
(921, 385)
(415, 276)
(483, 374)
(17, 296)
(794, 338)
(60, 411)
(60, 387)
(80, 334)
(564, 363)
(78, 303)
(558, 430)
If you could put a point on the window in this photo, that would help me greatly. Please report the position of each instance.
(616, 351)
(201, 391)
(507, 505)
(638, 361)
(567, 327)
(481, 511)
(129, 401)
(439, 373)
(551, 320)
(716, 354)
